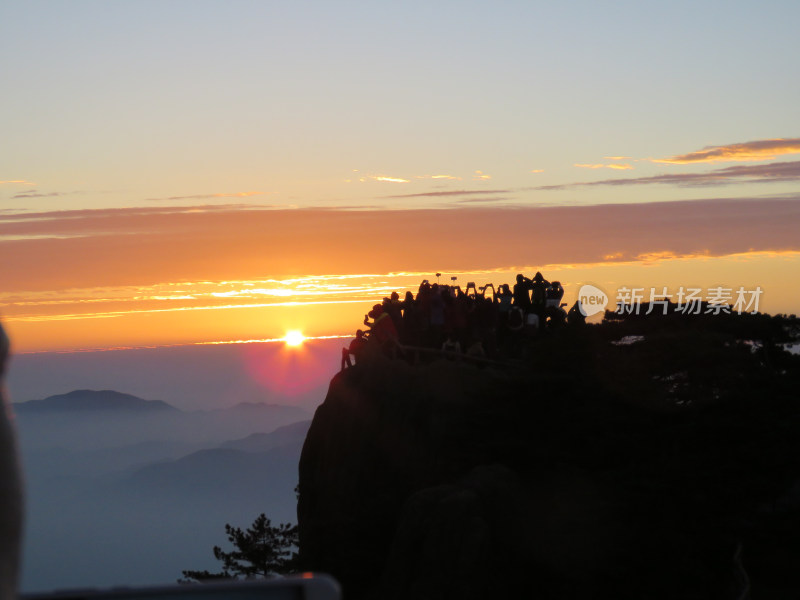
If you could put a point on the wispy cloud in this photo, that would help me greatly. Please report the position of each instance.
(383, 179)
(280, 340)
(747, 151)
(92, 216)
(449, 193)
(17, 182)
(45, 236)
(769, 173)
(621, 167)
(210, 196)
(165, 297)
(446, 177)
(397, 179)
(617, 157)
(492, 199)
(391, 179)
(37, 194)
(481, 176)
(119, 313)
(536, 171)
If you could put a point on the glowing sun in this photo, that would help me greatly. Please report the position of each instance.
(294, 338)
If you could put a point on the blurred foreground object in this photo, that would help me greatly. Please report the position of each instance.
(303, 586)
(10, 489)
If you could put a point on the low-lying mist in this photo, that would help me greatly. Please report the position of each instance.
(133, 495)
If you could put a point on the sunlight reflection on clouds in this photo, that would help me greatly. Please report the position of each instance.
(263, 309)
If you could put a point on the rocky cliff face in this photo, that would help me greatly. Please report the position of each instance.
(448, 480)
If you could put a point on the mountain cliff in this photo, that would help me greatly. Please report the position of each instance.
(619, 461)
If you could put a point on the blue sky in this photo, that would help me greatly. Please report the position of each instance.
(130, 103)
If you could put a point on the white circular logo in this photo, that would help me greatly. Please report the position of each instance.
(591, 300)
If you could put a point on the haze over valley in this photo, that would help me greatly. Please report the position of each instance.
(123, 490)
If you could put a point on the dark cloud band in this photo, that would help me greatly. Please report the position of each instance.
(769, 173)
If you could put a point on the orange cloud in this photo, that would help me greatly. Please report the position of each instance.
(139, 246)
(17, 181)
(481, 176)
(747, 151)
(651, 257)
(120, 313)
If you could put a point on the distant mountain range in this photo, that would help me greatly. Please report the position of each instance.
(135, 481)
(266, 460)
(220, 471)
(261, 442)
(94, 419)
(81, 400)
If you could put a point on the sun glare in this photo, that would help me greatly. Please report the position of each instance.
(294, 338)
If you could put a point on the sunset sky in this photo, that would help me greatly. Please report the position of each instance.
(188, 171)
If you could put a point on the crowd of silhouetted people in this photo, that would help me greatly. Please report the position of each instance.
(484, 323)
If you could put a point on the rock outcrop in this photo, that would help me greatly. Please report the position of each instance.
(557, 477)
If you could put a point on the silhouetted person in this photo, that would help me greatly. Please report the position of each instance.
(532, 324)
(539, 296)
(556, 316)
(504, 298)
(554, 294)
(395, 309)
(437, 305)
(459, 309)
(575, 315)
(409, 333)
(382, 329)
(502, 301)
(372, 315)
(11, 509)
(355, 349)
(424, 290)
(522, 299)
